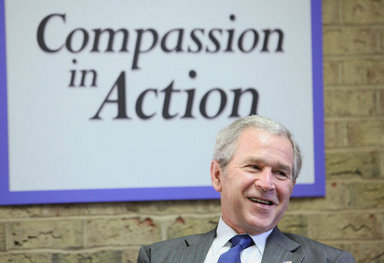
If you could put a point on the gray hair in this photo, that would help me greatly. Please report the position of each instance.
(227, 138)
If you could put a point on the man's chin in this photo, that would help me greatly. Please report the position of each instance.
(259, 227)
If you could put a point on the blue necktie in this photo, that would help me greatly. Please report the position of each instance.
(239, 243)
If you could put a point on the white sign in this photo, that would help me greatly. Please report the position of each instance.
(129, 95)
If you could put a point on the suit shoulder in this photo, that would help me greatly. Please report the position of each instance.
(172, 249)
(170, 243)
(182, 241)
(319, 250)
(159, 251)
(304, 241)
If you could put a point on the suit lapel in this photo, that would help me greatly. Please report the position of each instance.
(196, 248)
(279, 248)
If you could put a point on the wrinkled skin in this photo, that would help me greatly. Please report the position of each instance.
(257, 183)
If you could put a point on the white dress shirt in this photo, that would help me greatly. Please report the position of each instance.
(222, 244)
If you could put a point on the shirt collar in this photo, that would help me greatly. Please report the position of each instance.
(224, 233)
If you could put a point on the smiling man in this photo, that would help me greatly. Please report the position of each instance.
(255, 167)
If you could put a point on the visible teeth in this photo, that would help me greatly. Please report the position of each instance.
(265, 202)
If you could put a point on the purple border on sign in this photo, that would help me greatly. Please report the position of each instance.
(318, 188)
(4, 169)
(166, 193)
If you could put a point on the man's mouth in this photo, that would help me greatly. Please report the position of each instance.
(260, 201)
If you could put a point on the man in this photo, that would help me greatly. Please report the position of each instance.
(255, 167)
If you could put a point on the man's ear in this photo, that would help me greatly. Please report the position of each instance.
(216, 176)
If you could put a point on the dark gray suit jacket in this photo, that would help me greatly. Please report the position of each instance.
(279, 248)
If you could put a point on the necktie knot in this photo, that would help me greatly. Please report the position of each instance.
(239, 243)
(243, 240)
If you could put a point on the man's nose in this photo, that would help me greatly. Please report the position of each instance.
(265, 180)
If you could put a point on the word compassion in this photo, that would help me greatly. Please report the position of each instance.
(142, 41)
(145, 40)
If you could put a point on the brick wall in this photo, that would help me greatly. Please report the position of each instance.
(350, 217)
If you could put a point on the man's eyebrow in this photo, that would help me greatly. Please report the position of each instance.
(253, 160)
(275, 165)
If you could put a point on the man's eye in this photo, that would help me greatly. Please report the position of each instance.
(253, 167)
(281, 175)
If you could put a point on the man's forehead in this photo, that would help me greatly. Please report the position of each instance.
(260, 132)
(253, 137)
